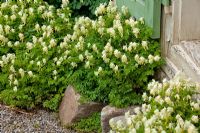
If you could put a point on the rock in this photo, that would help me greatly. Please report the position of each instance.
(109, 112)
(119, 118)
(71, 110)
(116, 121)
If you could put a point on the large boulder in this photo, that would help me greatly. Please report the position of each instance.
(109, 112)
(72, 110)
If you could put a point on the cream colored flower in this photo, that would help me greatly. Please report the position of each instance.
(111, 31)
(29, 45)
(65, 3)
(14, 7)
(124, 10)
(13, 17)
(38, 63)
(34, 38)
(81, 58)
(44, 60)
(30, 73)
(87, 64)
(124, 59)
(141, 20)
(31, 62)
(112, 65)
(157, 58)
(94, 47)
(145, 44)
(116, 68)
(101, 9)
(58, 63)
(16, 43)
(52, 43)
(73, 64)
(136, 31)
(192, 129)
(137, 110)
(15, 88)
(55, 72)
(45, 49)
(21, 36)
(100, 69)
(1, 64)
(31, 10)
(16, 82)
(21, 72)
(117, 53)
(7, 29)
(195, 119)
(96, 73)
(142, 60)
(108, 48)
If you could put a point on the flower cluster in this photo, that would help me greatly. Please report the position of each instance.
(114, 48)
(30, 32)
(169, 108)
(106, 59)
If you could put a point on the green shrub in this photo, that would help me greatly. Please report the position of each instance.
(56, 3)
(112, 57)
(30, 33)
(169, 109)
(91, 124)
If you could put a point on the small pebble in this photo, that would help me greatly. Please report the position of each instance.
(40, 121)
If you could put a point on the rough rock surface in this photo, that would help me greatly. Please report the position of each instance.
(13, 120)
(71, 110)
(119, 118)
(109, 112)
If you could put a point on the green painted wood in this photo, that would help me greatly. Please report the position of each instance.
(149, 9)
(166, 2)
(153, 16)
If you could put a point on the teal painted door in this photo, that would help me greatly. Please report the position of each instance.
(150, 10)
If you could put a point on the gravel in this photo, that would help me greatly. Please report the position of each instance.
(13, 120)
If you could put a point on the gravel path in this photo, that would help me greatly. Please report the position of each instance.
(19, 121)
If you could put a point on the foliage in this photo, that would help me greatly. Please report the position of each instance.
(30, 33)
(85, 7)
(108, 60)
(112, 57)
(81, 7)
(91, 124)
(170, 108)
(56, 3)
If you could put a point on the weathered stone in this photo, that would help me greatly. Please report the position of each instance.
(119, 118)
(115, 121)
(71, 110)
(185, 57)
(109, 112)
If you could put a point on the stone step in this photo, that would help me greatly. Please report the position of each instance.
(170, 69)
(186, 58)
